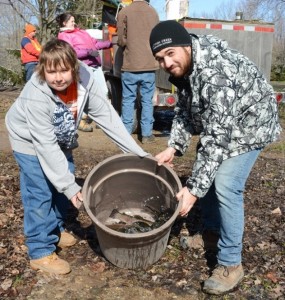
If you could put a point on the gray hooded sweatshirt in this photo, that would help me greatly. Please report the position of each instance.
(40, 124)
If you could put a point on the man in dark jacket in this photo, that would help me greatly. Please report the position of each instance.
(135, 23)
(226, 100)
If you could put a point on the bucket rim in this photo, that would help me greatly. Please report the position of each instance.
(164, 227)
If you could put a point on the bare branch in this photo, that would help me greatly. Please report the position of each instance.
(17, 11)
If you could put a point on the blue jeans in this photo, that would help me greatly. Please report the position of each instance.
(29, 69)
(44, 208)
(130, 83)
(223, 207)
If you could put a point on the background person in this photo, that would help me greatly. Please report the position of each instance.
(30, 50)
(86, 48)
(135, 23)
(226, 100)
(42, 126)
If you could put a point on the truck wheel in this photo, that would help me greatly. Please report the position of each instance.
(115, 93)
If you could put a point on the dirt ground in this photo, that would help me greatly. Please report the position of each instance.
(179, 273)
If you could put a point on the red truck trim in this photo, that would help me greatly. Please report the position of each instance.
(220, 26)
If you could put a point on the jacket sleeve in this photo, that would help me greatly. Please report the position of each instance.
(26, 43)
(106, 117)
(102, 44)
(181, 129)
(81, 53)
(122, 29)
(211, 147)
(209, 158)
(52, 159)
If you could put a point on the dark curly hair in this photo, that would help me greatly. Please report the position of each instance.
(63, 18)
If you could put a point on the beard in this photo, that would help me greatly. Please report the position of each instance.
(182, 67)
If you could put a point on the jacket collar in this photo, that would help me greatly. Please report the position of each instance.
(85, 76)
(66, 29)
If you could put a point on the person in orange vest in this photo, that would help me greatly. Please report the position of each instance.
(30, 50)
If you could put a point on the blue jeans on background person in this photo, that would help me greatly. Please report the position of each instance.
(29, 70)
(44, 208)
(223, 206)
(130, 83)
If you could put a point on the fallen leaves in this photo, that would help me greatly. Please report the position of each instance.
(98, 267)
(6, 284)
(272, 276)
(276, 211)
(177, 271)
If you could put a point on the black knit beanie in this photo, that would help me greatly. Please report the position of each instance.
(168, 34)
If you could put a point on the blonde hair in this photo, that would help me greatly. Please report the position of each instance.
(57, 53)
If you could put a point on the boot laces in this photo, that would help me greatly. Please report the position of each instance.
(53, 256)
(221, 270)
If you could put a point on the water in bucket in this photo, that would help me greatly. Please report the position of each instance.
(138, 220)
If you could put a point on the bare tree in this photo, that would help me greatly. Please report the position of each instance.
(271, 11)
(11, 28)
(15, 14)
(11, 25)
(43, 13)
(225, 11)
(88, 12)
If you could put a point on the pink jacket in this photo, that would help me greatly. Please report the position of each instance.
(83, 43)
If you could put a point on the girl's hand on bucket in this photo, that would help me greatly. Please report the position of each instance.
(188, 200)
(166, 156)
(77, 200)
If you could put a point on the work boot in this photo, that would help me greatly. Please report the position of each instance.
(148, 139)
(85, 126)
(223, 279)
(206, 240)
(51, 264)
(66, 240)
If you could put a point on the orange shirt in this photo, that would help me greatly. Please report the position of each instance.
(69, 97)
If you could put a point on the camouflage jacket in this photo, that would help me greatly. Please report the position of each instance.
(228, 102)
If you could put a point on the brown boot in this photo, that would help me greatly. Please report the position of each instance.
(66, 240)
(51, 264)
(207, 240)
(148, 139)
(85, 126)
(223, 279)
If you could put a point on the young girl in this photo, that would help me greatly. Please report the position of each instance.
(42, 125)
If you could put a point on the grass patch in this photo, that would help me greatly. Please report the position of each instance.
(281, 110)
(276, 147)
(18, 281)
(278, 86)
